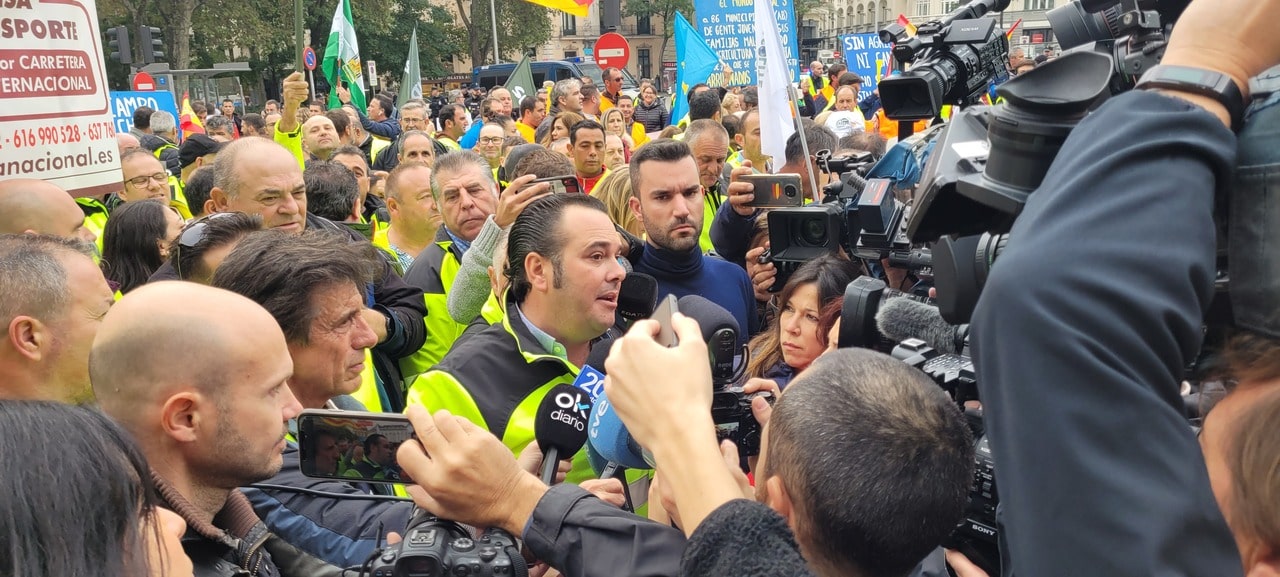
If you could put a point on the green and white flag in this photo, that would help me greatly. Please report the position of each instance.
(411, 83)
(342, 58)
(520, 83)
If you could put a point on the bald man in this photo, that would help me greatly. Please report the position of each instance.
(320, 137)
(199, 376)
(54, 297)
(127, 142)
(29, 206)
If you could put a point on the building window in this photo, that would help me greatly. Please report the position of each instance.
(644, 25)
(949, 6)
(646, 63)
(1038, 4)
(922, 7)
(570, 54)
(568, 25)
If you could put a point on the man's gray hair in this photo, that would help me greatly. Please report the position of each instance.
(563, 88)
(413, 105)
(162, 122)
(456, 161)
(34, 283)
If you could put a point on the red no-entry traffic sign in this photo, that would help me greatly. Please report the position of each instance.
(612, 50)
(143, 81)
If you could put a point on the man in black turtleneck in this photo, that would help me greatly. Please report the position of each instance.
(667, 197)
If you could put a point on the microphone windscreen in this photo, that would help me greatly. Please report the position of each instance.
(561, 421)
(711, 317)
(637, 297)
(598, 463)
(598, 354)
(902, 318)
(610, 438)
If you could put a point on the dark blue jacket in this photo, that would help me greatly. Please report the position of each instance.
(716, 280)
(341, 529)
(1098, 471)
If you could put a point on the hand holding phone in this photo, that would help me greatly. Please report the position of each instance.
(775, 190)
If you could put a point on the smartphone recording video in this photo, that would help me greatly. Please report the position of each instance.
(352, 446)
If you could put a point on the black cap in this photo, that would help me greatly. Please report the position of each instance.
(196, 146)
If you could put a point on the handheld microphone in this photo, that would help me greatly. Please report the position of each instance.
(720, 331)
(610, 437)
(900, 319)
(637, 297)
(561, 426)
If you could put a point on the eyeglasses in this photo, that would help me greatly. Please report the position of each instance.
(160, 177)
(192, 235)
(491, 140)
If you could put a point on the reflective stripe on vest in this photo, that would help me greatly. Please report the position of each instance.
(368, 393)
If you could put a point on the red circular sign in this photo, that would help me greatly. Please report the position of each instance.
(143, 81)
(612, 50)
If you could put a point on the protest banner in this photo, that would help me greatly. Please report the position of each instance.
(729, 27)
(55, 117)
(868, 57)
(123, 104)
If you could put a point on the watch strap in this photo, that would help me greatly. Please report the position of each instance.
(1199, 81)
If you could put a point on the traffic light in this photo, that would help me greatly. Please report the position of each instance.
(151, 42)
(118, 47)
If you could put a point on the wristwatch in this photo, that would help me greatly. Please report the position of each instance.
(1199, 81)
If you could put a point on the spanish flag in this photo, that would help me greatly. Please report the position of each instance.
(576, 7)
(1009, 35)
(906, 23)
(187, 119)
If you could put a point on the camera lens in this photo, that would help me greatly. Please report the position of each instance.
(813, 232)
(789, 190)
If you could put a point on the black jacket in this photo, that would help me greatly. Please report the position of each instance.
(654, 118)
(1080, 339)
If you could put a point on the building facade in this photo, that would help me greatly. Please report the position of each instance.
(827, 23)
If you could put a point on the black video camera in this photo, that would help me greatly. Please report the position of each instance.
(988, 160)
(857, 215)
(731, 412)
(953, 61)
(433, 547)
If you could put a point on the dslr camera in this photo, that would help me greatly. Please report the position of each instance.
(731, 412)
(433, 547)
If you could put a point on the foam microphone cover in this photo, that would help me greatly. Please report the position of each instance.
(637, 297)
(720, 331)
(900, 319)
(560, 426)
(610, 438)
(599, 354)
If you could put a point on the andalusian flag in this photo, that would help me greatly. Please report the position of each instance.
(576, 7)
(342, 58)
(411, 83)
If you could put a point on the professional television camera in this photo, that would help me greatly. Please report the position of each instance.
(953, 61)
(859, 215)
(989, 159)
(435, 548)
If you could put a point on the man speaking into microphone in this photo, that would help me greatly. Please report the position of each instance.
(562, 261)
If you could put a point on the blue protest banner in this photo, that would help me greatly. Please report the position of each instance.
(729, 28)
(866, 56)
(124, 103)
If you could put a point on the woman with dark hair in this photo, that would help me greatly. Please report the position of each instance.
(560, 127)
(81, 506)
(136, 241)
(799, 331)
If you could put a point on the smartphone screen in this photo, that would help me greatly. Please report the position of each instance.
(666, 308)
(775, 190)
(560, 184)
(352, 445)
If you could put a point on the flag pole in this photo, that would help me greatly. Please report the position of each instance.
(297, 31)
(493, 15)
(804, 141)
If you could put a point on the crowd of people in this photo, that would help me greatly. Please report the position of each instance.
(433, 258)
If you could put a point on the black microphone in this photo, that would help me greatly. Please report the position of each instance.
(901, 318)
(637, 297)
(719, 330)
(561, 426)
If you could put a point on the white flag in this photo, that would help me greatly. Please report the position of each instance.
(776, 124)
